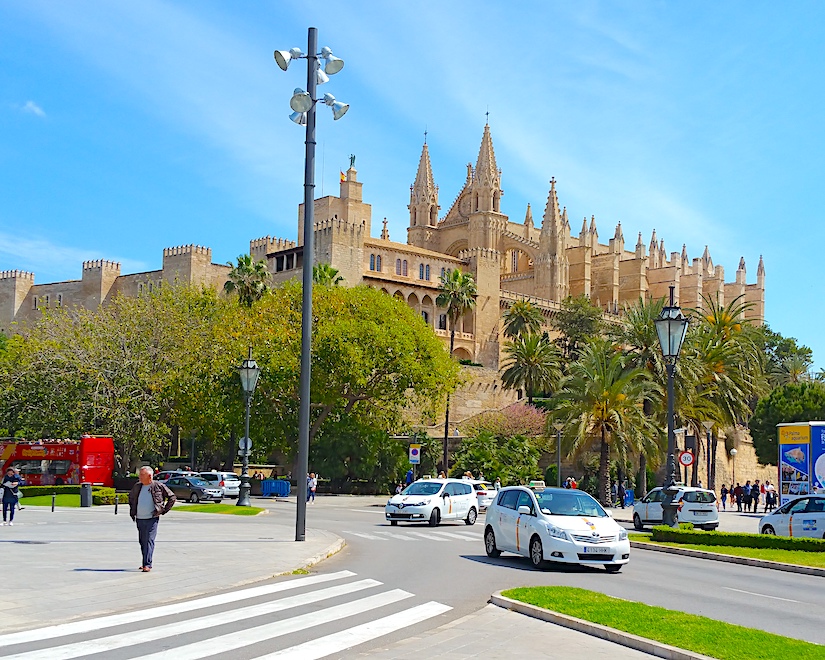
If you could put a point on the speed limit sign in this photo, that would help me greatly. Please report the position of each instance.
(686, 458)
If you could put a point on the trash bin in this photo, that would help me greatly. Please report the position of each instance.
(85, 494)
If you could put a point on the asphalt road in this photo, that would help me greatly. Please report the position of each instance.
(457, 572)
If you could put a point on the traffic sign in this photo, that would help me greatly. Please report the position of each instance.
(415, 454)
(245, 444)
(686, 458)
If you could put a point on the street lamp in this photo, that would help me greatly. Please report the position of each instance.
(559, 426)
(708, 424)
(671, 328)
(733, 453)
(249, 372)
(303, 104)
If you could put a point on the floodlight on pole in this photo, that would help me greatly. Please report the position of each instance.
(301, 101)
(332, 64)
(284, 57)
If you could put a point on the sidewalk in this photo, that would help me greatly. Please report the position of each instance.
(77, 563)
(729, 521)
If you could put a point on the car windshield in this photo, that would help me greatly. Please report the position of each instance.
(197, 481)
(569, 504)
(702, 496)
(485, 487)
(422, 488)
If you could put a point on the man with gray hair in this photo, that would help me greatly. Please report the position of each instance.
(148, 501)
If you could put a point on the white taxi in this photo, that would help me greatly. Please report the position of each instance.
(694, 505)
(434, 500)
(804, 517)
(557, 525)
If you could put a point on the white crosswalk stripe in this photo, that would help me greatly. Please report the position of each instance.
(208, 630)
(461, 537)
(413, 535)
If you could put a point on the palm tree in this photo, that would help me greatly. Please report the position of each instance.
(458, 293)
(326, 275)
(534, 363)
(793, 369)
(249, 278)
(523, 318)
(601, 399)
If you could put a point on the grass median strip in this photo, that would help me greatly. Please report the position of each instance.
(227, 509)
(699, 634)
(46, 500)
(798, 557)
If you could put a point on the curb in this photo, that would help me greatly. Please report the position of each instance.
(335, 548)
(603, 632)
(731, 559)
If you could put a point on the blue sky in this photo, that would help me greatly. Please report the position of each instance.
(132, 126)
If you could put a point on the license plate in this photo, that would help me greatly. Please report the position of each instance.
(700, 513)
(598, 551)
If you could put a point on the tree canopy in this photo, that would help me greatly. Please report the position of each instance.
(795, 402)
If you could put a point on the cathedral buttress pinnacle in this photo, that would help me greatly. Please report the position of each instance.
(487, 177)
(424, 194)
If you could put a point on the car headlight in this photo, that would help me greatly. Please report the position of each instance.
(424, 503)
(623, 534)
(555, 532)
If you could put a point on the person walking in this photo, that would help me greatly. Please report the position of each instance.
(622, 493)
(11, 491)
(746, 496)
(755, 493)
(738, 493)
(724, 493)
(497, 483)
(148, 501)
(409, 476)
(312, 486)
(770, 496)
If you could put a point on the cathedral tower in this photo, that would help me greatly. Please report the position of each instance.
(423, 202)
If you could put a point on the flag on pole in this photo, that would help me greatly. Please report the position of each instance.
(343, 177)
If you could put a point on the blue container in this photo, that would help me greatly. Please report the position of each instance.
(275, 488)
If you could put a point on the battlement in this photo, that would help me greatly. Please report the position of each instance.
(267, 245)
(336, 223)
(101, 264)
(17, 275)
(484, 253)
(182, 250)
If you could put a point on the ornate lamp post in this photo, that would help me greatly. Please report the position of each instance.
(249, 372)
(708, 424)
(559, 426)
(671, 328)
(303, 104)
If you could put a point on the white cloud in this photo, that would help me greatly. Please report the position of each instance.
(32, 108)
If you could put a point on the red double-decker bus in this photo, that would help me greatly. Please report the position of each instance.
(59, 462)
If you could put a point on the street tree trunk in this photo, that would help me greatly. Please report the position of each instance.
(445, 459)
(604, 472)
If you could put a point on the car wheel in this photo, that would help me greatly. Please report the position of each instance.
(471, 516)
(194, 498)
(767, 529)
(393, 522)
(613, 568)
(536, 552)
(637, 522)
(490, 543)
(435, 518)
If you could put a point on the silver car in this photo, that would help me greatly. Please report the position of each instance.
(228, 482)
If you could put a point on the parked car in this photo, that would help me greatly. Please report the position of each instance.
(556, 525)
(194, 489)
(695, 505)
(485, 492)
(803, 517)
(434, 500)
(229, 482)
(168, 474)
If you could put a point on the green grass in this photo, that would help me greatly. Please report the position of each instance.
(798, 557)
(229, 509)
(716, 639)
(46, 500)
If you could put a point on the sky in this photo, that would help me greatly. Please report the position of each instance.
(130, 126)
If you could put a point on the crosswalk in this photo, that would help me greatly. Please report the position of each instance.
(438, 536)
(308, 617)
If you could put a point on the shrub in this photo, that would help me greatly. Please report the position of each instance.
(107, 496)
(736, 539)
(100, 494)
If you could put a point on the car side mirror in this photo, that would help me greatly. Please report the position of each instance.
(525, 510)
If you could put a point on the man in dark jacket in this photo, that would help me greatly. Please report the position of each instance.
(148, 500)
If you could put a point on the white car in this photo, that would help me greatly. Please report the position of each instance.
(557, 525)
(434, 500)
(695, 505)
(486, 493)
(229, 482)
(803, 517)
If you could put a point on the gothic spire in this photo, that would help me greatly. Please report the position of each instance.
(654, 243)
(528, 217)
(424, 190)
(486, 172)
(760, 270)
(684, 254)
(741, 263)
(552, 216)
(639, 243)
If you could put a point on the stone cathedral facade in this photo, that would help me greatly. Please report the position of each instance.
(509, 260)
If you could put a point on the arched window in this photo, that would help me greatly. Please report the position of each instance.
(398, 266)
(442, 321)
(420, 271)
(404, 268)
(443, 272)
(378, 263)
(427, 272)
(372, 262)
(426, 317)
(515, 261)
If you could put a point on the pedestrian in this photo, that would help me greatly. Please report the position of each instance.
(755, 495)
(409, 476)
(622, 493)
(312, 485)
(573, 483)
(567, 481)
(746, 496)
(739, 494)
(148, 501)
(442, 475)
(480, 475)
(20, 507)
(398, 489)
(700, 483)
(11, 491)
(497, 483)
(770, 496)
(615, 491)
(724, 493)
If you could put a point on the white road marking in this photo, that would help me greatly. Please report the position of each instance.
(751, 593)
(88, 625)
(393, 535)
(249, 636)
(429, 537)
(363, 535)
(78, 649)
(324, 646)
(461, 537)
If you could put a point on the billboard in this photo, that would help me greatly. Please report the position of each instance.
(801, 459)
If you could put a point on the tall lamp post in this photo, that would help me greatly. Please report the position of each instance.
(249, 372)
(303, 104)
(671, 328)
(559, 426)
(733, 453)
(708, 424)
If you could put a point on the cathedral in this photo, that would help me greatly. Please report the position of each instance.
(509, 260)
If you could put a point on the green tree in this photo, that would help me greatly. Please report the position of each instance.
(326, 275)
(601, 400)
(578, 321)
(795, 402)
(522, 318)
(534, 363)
(248, 278)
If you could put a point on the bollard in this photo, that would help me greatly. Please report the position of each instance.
(117, 497)
(54, 495)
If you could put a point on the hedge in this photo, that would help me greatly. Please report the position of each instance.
(100, 494)
(667, 534)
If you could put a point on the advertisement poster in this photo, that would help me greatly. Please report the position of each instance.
(794, 461)
(818, 457)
